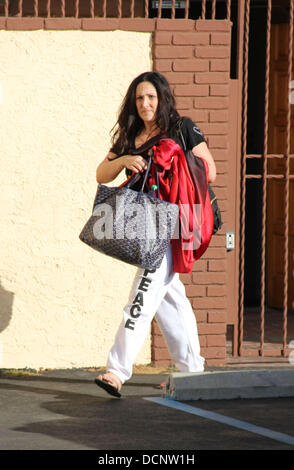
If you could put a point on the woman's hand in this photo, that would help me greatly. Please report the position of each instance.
(111, 166)
(134, 163)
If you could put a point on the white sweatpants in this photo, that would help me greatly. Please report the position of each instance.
(159, 293)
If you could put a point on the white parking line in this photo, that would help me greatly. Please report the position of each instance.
(177, 405)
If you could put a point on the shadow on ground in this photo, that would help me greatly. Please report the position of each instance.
(71, 413)
(95, 420)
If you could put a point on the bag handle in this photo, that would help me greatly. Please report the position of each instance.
(141, 150)
(132, 180)
(137, 176)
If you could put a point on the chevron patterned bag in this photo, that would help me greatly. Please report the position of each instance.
(133, 226)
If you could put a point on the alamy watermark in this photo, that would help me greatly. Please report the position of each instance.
(148, 222)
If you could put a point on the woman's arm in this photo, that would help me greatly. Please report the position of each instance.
(111, 166)
(201, 150)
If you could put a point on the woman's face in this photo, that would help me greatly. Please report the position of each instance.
(146, 102)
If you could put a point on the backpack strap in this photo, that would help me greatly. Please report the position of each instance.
(216, 212)
(182, 139)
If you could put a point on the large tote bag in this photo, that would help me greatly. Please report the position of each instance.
(133, 226)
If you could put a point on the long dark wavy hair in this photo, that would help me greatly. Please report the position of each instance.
(129, 123)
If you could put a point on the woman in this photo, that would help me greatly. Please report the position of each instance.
(148, 110)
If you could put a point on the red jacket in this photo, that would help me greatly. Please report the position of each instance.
(196, 215)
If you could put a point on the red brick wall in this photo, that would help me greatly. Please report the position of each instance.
(195, 58)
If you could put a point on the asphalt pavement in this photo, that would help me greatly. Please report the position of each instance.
(64, 410)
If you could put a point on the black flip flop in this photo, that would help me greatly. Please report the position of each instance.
(107, 387)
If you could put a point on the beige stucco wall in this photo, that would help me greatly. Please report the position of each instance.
(60, 301)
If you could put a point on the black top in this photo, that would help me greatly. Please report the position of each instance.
(191, 133)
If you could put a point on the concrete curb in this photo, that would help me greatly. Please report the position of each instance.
(220, 385)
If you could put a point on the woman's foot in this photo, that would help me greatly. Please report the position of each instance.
(110, 383)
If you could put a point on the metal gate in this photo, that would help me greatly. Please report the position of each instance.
(267, 173)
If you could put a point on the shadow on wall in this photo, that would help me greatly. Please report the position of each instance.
(6, 301)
